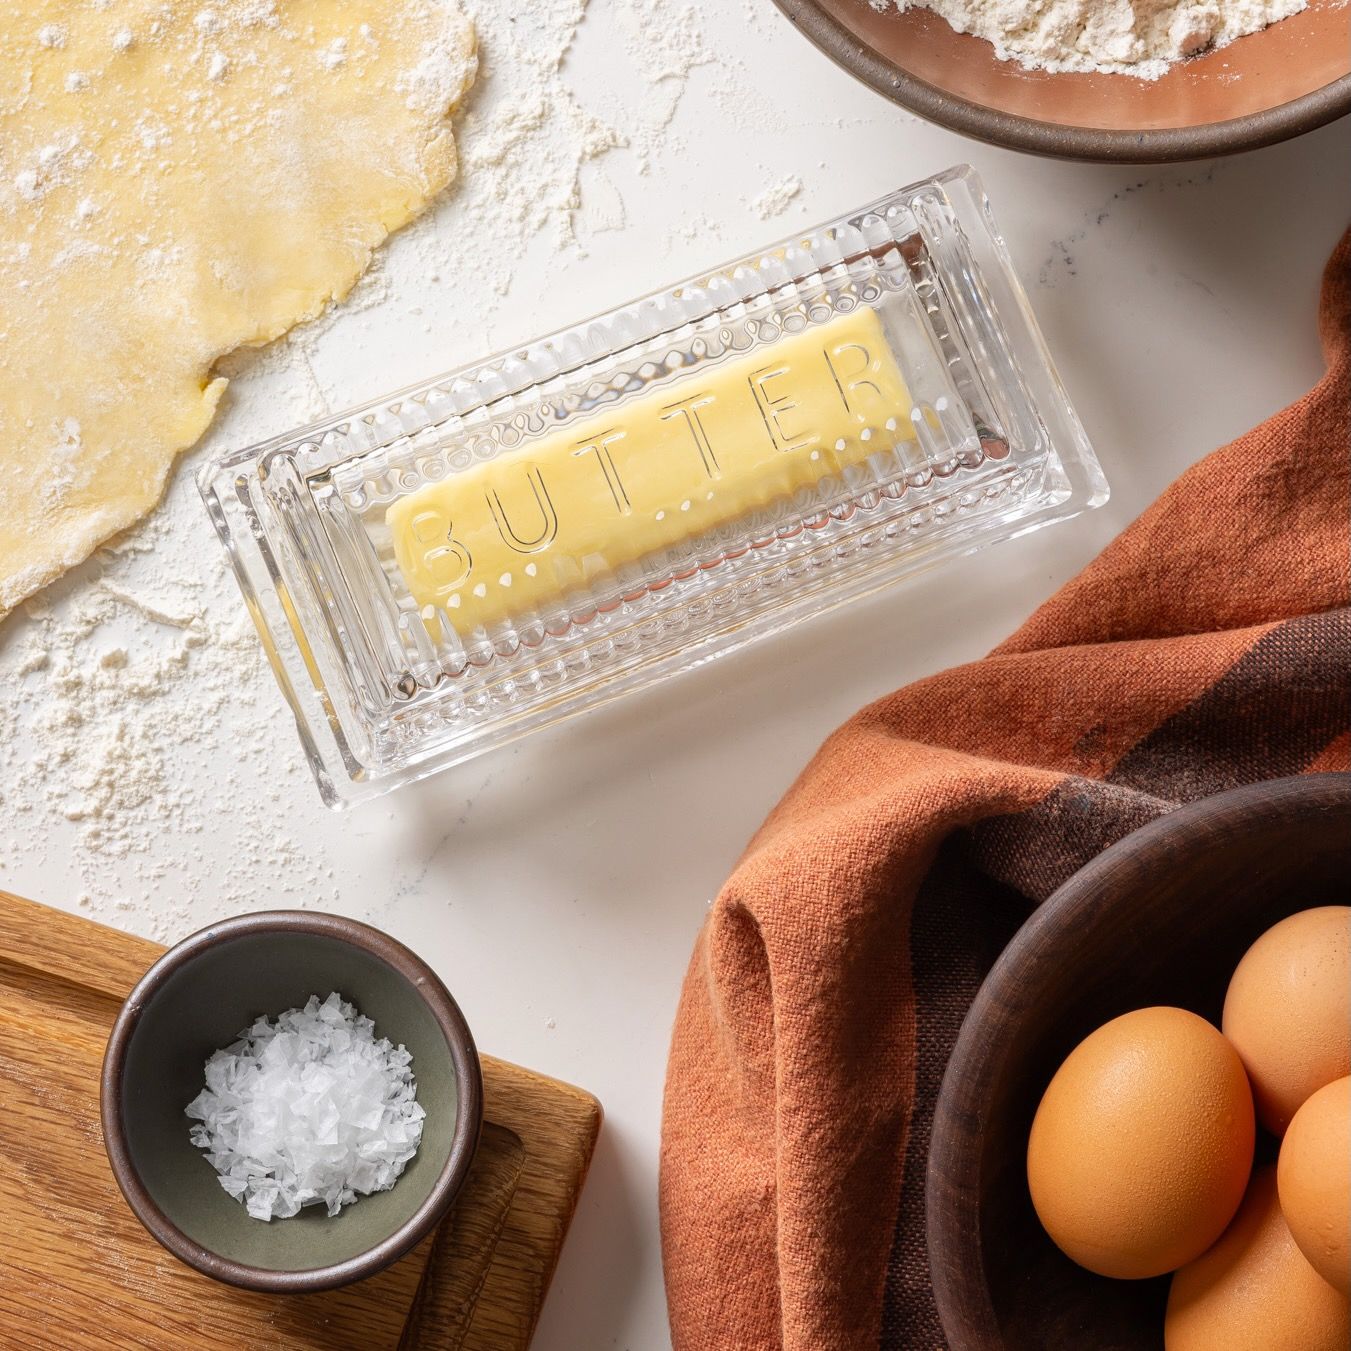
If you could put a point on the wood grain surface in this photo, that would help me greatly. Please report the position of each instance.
(78, 1272)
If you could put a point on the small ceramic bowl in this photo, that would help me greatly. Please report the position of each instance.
(1280, 82)
(1162, 917)
(195, 1000)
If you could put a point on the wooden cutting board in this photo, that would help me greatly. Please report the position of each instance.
(78, 1273)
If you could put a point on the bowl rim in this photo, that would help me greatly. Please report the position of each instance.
(464, 1139)
(966, 1320)
(1154, 145)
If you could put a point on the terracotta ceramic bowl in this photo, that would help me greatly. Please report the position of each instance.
(1162, 917)
(194, 1001)
(1285, 80)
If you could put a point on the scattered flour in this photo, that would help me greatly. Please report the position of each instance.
(1129, 37)
(774, 201)
(134, 715)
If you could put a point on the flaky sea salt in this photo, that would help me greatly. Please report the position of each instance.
(308, 1108)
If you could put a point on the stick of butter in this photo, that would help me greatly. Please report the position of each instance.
(523, 530)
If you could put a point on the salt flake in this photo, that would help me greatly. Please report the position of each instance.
(308, 1109)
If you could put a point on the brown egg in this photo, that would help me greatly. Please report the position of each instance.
(1253, 1291)
(1141, 1148)
(1314, 1181)
(1288, 1010)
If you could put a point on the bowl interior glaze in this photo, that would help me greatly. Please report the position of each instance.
(1160, 918)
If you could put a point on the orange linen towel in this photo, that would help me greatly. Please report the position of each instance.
(1208, 647)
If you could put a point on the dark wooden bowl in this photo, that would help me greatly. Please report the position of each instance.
(1280, 82)
(1162, 917)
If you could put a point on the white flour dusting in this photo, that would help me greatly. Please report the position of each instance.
(134, 709)
(774, 201)
(1129, 37)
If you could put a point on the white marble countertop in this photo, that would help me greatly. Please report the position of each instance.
(557, 886)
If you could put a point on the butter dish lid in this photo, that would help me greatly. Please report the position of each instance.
(435, 574)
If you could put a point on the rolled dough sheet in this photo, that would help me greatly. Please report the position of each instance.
(178, 180)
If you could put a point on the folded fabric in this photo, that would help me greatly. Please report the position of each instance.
(1209, 646)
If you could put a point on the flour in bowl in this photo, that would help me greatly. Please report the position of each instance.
(1126, 37)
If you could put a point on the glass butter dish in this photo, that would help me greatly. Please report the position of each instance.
(441, 572)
